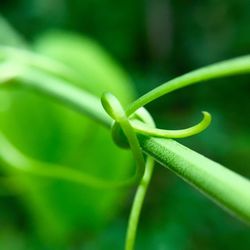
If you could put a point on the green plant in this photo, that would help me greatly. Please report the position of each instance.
(132, 127)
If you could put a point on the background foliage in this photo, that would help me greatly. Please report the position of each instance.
(153, 41)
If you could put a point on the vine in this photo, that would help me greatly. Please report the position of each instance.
(143, 124)
(145, 127)
(132, 127)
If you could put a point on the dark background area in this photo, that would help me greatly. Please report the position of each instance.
(154, 41)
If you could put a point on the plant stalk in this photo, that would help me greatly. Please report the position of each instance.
(225, 187)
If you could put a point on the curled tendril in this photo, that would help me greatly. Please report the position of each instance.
(116, 111)
(136, 123)
(141, 128)
(140, 122)
(144, 168)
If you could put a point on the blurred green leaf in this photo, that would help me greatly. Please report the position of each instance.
(50, 132)
(8, 36)
(95, 67)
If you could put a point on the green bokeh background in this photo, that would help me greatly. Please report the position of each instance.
(151, 41)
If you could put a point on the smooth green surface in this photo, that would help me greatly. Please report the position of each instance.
(55, 136)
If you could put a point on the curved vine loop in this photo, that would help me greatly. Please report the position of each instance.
(140, 122)
(125, 127)
(113, 107)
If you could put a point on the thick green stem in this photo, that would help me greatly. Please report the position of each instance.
(225, 187)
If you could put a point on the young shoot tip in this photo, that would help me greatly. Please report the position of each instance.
(112, 106)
